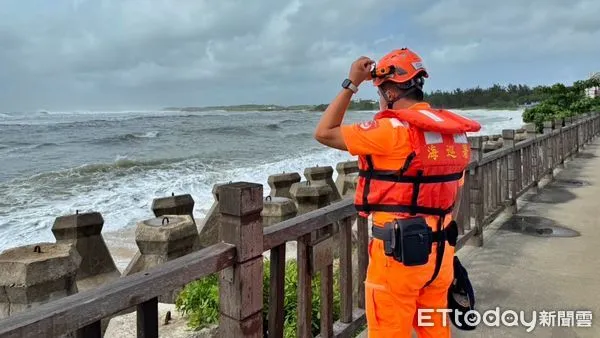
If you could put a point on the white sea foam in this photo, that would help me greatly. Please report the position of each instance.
(123, 199)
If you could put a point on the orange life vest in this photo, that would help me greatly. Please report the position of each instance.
(428, 181)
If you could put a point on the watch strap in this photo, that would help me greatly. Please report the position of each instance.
(349, 85)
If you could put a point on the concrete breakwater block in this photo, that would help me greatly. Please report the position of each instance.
(309, 197)
(277, 209)
(83, 231)
(492, 145)
(281, 183)
(173, 205)
(520, 137)
(176, 205)
(530, 129)
(496, 142)
(347, 178)
(36, 274)
(323, 176)
(160, 240)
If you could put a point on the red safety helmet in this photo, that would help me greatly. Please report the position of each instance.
(402, 66)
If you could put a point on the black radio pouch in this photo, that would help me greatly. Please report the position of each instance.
(411, 241)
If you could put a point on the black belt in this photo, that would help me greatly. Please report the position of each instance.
(404, 209)
(391, 176)
(450, 234)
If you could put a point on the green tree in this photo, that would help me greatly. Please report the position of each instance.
(562, 101)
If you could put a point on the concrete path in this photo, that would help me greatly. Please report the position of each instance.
(526, 272)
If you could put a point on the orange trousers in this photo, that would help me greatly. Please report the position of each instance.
(395, 292)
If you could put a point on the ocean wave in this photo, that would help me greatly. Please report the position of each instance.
(121, 163)
(43, 145)
(123, 166)
(300, 136)
(129, 137)
(21, 146)
(239, 130)
(123, 193)
(252, 128)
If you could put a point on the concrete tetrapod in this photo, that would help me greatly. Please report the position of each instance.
(277, 209)
(84, 232)
(160, 240)
(318, 176)
(173, 205)
(347, 178)
(281, 183)
(36, 274)
(309, 198)
(176, 205)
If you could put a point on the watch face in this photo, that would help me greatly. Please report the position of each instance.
(346, 83)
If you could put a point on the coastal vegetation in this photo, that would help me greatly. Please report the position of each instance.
(560, 101)
(199, 300)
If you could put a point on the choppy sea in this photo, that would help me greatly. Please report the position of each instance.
(53, 163)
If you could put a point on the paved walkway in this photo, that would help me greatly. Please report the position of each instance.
(526, 272)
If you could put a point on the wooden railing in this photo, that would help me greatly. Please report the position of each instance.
(493, 183)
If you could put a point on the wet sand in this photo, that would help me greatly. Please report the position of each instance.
(122, 246)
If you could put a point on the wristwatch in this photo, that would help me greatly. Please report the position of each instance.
(349, 85)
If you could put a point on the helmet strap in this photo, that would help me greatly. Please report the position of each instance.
(390, 102)
(407, 86)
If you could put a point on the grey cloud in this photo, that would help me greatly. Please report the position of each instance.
(157, 53)
(103, 45)
(518, 30)
(134, 42)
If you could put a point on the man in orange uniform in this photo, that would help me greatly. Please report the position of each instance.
(411, 160)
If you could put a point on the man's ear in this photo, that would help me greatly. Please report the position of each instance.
(391, 94)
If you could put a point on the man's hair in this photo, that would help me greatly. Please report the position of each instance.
(414, 94)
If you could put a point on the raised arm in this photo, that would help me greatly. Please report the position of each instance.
(328, 130)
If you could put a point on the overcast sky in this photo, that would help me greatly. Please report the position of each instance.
(144, 54)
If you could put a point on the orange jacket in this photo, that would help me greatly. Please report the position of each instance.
(433, 156)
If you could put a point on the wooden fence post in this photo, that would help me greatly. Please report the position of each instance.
(535, 156)
(476, 191)
(558, 144)
(508, 135)
(549, 149)
(563, 142)
(588, 123)
(241, 285)
(569, 139)
(576, 134)
(584, 130)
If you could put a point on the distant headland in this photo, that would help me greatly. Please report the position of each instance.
(242, 107)
(494, 97)
(538, 103)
